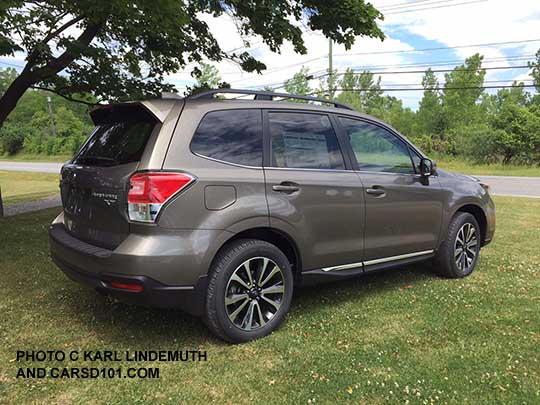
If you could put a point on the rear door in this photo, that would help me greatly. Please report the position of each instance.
(94, 184)
(312, 193)
(403, 209)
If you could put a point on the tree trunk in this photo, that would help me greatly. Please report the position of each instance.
(30, 77)
(13, 94)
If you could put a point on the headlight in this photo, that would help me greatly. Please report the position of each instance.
(484, 186)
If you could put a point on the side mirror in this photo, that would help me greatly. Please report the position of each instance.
(427, 167)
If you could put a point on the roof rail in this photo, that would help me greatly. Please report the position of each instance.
(266, 95)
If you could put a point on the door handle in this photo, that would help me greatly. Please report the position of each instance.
(286, 187)
(377, 191)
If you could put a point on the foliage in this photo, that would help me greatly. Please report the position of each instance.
(117, 50)
(299, 84)
(29, 126)
(70, 133)
(535, 71)
(430, 109)
(361, 91)
(208, 78)
(11, 138)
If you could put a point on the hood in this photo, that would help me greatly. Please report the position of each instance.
(457, 176)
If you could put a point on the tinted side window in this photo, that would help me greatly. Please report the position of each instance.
(233, 136)
(301, 140)
(376, 149)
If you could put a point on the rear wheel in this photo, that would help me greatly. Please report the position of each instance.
(249, 291)
(458, 254)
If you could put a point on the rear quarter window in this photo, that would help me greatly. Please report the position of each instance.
(233, 136)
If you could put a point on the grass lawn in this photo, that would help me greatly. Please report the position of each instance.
(461, 166)
(22, 186)
(23, 157)
(392, 337)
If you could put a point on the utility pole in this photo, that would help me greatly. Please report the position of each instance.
(329, 56)
(330, 67)
(51, 115)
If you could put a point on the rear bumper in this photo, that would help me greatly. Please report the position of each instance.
(154, 294)
(170, 276)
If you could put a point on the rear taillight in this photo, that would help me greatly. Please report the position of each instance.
(149, 191)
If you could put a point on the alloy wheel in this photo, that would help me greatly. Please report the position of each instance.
(254, 293)
(466, 247)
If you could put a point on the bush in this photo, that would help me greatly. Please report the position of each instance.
(11, 138)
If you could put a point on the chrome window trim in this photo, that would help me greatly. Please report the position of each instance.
(377, 261)
(308, 170)
(225, 162)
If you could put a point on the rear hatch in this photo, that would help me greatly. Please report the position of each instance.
(94, 184)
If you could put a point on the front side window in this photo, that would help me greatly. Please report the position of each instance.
(302, 140)
(233, 136)
(376, 149)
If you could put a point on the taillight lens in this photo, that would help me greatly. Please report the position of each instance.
(149, 191)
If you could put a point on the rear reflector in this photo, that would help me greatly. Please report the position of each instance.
(126, 286)
(149, 191)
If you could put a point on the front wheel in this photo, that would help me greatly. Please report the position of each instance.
(249, 291)
(458, 254)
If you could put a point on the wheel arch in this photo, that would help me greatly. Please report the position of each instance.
(478, 213)
(276, 237)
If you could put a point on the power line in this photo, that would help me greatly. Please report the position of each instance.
(10, 64)
(442, 48)
(444, 88)
(485, 81)
(278, 68)
(436, 7)
(397, 72)
(412, 3)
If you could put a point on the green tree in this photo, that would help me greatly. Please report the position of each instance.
(115, 49)
(328, 85)
(6, 78)
(430, 110)
(71, 132)
(461, 93)
(299, 84)
(535, 71)
(208, 78)
(519, 129)
(361, 91)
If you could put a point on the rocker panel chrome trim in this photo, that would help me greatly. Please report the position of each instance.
(377, 261)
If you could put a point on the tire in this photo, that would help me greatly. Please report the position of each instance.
(253, 309)
(452, 260)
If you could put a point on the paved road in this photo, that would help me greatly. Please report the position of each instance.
(513, 186)
(500, 185)
(31, 167)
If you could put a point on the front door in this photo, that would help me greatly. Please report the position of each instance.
(312, 194)
(403, 209)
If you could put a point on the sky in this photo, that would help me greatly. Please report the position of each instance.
(409, 26)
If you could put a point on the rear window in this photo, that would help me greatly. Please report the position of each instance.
(233, 136)
(120, 136)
